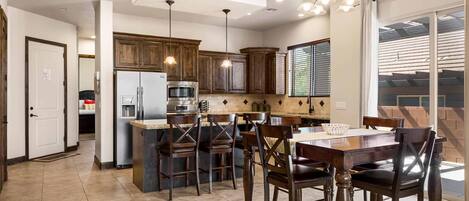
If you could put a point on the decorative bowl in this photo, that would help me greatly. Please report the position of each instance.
(335, 128)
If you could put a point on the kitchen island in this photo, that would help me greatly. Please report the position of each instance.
(146, 134)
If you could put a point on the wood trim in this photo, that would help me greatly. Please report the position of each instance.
(73, 148)
(88, 56)
(259, 49)
(309, 43)
(216, 53)
(16, 160)
(103, 166)
(27, 40)
(160, 38)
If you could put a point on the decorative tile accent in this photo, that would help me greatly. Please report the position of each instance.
(321, 103)
(245, 101)
(300, 103)
(265, 102)
(225, 102)
(280, 102)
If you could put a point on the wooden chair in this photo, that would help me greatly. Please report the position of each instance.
(373, 122)
(222, 142)
(251, 122)
(185, 145)
(279, 169)
(403, 180)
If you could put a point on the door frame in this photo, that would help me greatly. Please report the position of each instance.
(31, 39)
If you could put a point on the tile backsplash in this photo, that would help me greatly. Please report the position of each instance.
(278, 103)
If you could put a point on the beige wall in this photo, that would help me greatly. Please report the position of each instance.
(86, 46)
(21, 24)
(87, 69)
(213, 37)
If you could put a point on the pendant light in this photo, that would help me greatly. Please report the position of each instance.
(226, 63)
(170, 60)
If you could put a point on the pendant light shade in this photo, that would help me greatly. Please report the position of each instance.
(227, 62)
(170, 60)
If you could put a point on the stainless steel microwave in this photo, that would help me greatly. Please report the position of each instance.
(183, 96)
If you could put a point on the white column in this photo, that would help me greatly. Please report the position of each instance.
(466, 99)
(346, 70)
(433, 75)
(104, 81)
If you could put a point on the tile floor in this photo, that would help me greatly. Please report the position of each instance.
(78, 179)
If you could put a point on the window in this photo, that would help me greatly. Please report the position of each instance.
(309, 69)
(418, 101)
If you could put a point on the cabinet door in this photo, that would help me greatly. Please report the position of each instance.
(219, 76)
(237, 76)
(189, 62)
(256, 73)
(126, 53)
(152, 55)
(205, 74)
(270, 72)
(173, 71)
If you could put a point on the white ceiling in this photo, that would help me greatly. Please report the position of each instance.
(81, 12)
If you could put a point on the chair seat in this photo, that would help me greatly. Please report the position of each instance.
(301, 173)
(207, 147)
(164, 149)
(381, 179)
(306, 161)
(375, 165)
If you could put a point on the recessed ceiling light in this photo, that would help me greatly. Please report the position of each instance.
(249, 14)
(301, 15)
(278, 1)
(93, 37)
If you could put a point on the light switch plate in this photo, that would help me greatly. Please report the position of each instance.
(340, 105)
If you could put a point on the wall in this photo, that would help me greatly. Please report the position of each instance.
(346, 66)
(86, 46)
(213, 37)
(311, 29)
(392, 10)
(21, 24)
(87, 69)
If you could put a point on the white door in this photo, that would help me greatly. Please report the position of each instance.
(46, 99)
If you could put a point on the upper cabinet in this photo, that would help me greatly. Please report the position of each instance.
(147, 53)
(265, 70)
(218, 80)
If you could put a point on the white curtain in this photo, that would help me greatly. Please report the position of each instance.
(370, 40)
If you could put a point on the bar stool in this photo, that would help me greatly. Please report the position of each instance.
(185, 145)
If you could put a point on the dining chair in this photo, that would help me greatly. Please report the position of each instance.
(222, 143)
(375, 123)
(279, 169)
(182, 142)
(251, 122)
(405, 179)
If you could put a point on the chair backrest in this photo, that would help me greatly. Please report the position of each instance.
(189, 136)
(294, 121)
(415, 144)
(253, 119)
(270, 139)
(225, 133)
(373, 122)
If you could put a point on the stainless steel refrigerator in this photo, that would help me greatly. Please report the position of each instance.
(138, 95)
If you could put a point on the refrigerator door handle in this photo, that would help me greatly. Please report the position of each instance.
(142, 108)
(138, 104)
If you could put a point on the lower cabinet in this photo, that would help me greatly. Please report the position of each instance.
(218, 80)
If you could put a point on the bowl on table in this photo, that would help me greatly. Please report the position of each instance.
(335, 128)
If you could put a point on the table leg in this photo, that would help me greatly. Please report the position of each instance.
(344, 185)
(247, 172)
(434, 177)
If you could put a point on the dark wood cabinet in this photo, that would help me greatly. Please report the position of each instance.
(152, 55)
(147, 53)
(218, 80)
(189, 63)
(127, 53)
(237, 75)
(205, 74)
(264, 70)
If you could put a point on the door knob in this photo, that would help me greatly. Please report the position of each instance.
(33, 115)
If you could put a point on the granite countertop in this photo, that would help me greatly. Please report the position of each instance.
(162, 124)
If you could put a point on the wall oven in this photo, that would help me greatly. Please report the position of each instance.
(183, 96)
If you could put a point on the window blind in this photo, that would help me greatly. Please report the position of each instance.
(309, 70)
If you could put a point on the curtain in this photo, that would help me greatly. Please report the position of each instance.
(370, 40)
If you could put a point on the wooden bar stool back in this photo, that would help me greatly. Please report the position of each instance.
(374, 122)
(183, 140)
(222, 143)
(294, 121)
(279, 169)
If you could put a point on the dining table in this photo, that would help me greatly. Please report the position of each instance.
(343, 152)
